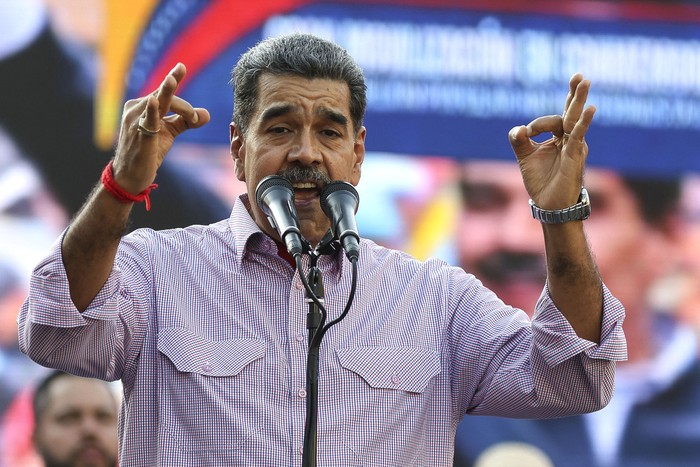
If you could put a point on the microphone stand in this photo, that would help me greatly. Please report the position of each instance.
(313, 322)
(316, 324)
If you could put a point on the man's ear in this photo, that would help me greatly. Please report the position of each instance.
(237, 151)
(359, 151)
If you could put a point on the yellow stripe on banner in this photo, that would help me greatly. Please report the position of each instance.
(435, 226)
(125, 22)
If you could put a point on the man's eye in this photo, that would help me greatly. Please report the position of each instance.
(330, 133)
(482, 198)
(599, 201)
(68, 419)
(105, 417)
(279, 130)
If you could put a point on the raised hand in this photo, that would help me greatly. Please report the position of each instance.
(149, 126)
(553, 170)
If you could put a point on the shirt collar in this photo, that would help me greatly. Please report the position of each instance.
(248, 237)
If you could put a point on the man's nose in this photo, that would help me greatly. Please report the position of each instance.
(520, 232)
(305, 149)
(89, 426)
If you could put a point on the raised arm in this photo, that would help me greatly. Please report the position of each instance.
(553, 175)
(149, 126)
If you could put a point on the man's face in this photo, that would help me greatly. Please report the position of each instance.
(299, 124)
(500, 242)
(79, 425)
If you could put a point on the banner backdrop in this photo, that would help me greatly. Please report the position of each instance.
(451, 78)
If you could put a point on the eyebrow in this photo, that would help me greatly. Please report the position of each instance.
(276, 111)
(333, 116)
(283, 109)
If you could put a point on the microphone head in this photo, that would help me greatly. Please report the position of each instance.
(275, 196)
(345, 189)
(339, 202)
(269, 184)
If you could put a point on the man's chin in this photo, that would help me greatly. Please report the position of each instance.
(92, 456)
(312, 230)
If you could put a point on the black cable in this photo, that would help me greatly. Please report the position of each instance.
(312, 364)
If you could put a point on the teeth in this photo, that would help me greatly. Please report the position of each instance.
(302, 186)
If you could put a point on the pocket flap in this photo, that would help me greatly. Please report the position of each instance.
(406, 368)
(192, 353)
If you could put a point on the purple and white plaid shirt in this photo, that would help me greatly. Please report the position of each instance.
(206, 328)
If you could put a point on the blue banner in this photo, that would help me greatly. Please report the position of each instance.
(451, 81)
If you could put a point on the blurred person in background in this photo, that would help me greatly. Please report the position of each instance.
(75, 421)
(685, 293)
(49, 61)
(48, 70)
(654, 416)
(29, 219)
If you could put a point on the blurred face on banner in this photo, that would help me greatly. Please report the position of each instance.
(500, 242)
(78, 426)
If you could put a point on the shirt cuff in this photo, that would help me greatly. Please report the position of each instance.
(49, 295)
(557, 341)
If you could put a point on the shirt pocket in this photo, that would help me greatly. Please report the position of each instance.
(210, 392)
(387, 395)
(402, 368)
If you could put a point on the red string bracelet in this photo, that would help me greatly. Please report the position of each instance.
(121, 194)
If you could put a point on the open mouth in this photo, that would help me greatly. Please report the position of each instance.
(305, 191)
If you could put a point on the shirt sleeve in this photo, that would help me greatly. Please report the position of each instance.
(537, 368)
(99, 342)
(557, 341)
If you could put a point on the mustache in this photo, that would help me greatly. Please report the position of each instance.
(507, 266)
(296, 174)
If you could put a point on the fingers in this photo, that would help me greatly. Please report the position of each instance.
(549, 123)
(580, 129)
(149, 122)
(163, 108)
(150, 109)
(167, 88)
(575, 104)
(573, 84)
(520, 141)
(184, 116)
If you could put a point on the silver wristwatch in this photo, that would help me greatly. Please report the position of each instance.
(578, 212)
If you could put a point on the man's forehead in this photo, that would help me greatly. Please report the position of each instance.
(74, 390)
(495, 171)
(277, 89)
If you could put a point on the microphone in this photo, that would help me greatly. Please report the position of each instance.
(339, 202)
(275, 196)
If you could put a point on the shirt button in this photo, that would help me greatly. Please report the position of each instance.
(299, 286)
(301, 450)
(207, 367)
(299, 337)
(302, 393)
(395, 379)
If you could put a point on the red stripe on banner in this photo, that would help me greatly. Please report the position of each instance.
(219, 25)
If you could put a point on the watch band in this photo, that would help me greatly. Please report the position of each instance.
(578, 212)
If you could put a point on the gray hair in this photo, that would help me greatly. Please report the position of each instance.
(301, 55)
